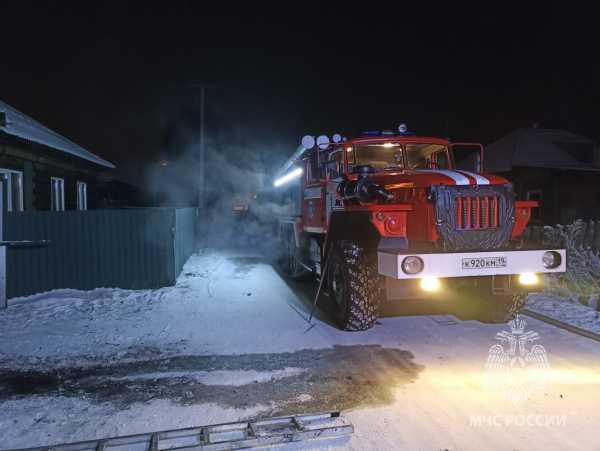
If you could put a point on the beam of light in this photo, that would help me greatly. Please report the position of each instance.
(477, 380)
(287, 177)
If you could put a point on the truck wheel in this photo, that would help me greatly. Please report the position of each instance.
(489, 308)
(354, 286)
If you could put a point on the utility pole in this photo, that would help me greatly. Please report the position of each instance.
(201, 156)
(201, 151)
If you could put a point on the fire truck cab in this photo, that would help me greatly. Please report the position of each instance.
(390, 216)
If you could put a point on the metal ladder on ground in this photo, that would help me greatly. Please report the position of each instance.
(226, 436)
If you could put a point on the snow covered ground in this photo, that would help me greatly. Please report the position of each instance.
(231, 341)
(566, 310)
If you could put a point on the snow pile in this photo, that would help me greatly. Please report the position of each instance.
(566, 310)
(572, 297)
(65, 328)
(583, 263)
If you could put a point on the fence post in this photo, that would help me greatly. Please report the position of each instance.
(3, 300)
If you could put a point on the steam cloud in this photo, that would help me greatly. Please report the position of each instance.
(237, 169)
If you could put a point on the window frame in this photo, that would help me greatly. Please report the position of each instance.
(9, 173)
(82, 204)
(57, 204)
(340, 166)
(435, 159)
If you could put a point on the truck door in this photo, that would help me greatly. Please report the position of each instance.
(313, 194)
(335, 171)
(468, 157)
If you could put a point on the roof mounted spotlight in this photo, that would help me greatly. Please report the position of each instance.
(308, 142)
(403, 129)
(336, 138)
(293, 174)
(323, 142)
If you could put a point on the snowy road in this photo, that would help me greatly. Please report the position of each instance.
(230, 342)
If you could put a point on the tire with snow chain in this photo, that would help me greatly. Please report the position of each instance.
(354, 286)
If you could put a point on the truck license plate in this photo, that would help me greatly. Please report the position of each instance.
(483, 262)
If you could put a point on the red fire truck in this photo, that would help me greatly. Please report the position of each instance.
(393, 216)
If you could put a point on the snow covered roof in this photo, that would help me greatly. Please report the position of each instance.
(22, 126)
(541, 148)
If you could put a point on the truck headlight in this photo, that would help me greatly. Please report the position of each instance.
(528, 278)
(412, 264)
(430, 283)
(551, 259)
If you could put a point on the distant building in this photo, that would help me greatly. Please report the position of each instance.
(557, 168)
(44, 170)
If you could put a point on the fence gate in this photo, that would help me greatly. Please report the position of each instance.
(139, 248)
(5, 244)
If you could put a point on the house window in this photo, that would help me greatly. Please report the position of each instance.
(57, 199)
(14, 188)
(81, 196)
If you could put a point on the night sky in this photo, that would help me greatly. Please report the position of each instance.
(122, 79)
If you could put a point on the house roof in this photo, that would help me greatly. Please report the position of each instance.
(540, 148)
(22, 126)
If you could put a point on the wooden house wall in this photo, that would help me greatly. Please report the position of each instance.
(38, 165)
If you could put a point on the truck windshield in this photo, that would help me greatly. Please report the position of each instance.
(427, 156)
(383, 156)
(378, 155)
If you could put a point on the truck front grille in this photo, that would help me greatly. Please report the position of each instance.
(477, 212)
(473, 217)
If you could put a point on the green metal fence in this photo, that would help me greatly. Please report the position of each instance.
(130, 248)
(186, 220)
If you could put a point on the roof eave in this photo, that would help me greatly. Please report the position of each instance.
(98, 161)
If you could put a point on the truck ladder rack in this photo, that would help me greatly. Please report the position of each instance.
(226, 436)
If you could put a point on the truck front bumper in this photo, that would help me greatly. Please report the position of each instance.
(469, 264)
